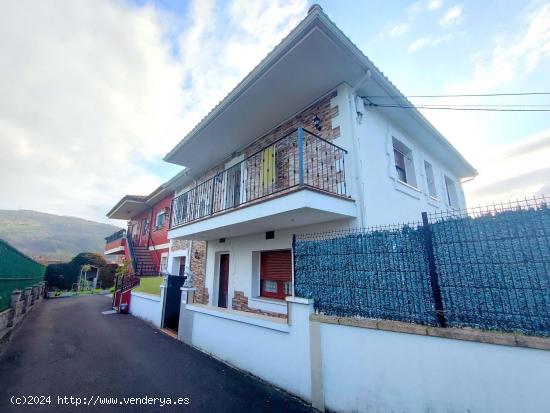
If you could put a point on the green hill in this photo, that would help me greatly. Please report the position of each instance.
(48, 237)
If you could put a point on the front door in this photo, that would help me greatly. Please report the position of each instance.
(172, 302)
(224, 280)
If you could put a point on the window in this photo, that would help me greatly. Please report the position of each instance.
(400, 165)
(450, 186)
(404, 165)
(144, 227)
(159, 221)
(270, 286)
(276, 274)
(430, 179)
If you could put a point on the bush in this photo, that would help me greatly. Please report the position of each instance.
(65, 275)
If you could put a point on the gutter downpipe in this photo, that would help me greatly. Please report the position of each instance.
(354, 136)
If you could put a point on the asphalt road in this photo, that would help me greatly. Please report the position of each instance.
(66, 347)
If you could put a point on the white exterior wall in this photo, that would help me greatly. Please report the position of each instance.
(368, 370)
(148, 307)
(174, 257)
(276, 352)
(244, 269)
(370, 169)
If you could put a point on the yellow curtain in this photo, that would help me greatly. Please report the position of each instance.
(268, 167)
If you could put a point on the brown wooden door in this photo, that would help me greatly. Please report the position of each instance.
(224, 280)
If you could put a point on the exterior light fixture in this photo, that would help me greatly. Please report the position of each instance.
(317, 122)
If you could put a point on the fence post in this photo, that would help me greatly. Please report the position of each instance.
(301, 155)
(293, 251)
(434, 281)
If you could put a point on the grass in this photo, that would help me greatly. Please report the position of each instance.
(149, 285)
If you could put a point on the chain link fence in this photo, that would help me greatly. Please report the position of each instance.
(486, 267)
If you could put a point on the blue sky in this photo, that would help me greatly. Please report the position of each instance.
(423, 52)
(97, 93)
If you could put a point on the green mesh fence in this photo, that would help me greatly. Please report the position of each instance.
(17, 272)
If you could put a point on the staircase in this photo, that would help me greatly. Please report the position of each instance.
(144, 264)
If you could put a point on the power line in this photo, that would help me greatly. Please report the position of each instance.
(485, 109)
(475, 105)
(462, 95)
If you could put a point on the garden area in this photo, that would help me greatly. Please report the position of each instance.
(149, 285)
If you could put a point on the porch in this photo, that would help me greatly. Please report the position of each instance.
(295, 181)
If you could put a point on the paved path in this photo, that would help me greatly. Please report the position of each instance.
(66, 347)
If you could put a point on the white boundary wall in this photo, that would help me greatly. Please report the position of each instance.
(148, 307)
(274, 351)
(369, 370)
(358, 369)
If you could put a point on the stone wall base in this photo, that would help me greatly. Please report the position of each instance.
(22, 303)
(240, 303)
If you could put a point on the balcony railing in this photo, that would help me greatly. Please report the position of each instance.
(117, 235)
(300, 159)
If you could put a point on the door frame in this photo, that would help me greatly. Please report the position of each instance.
(216, 297)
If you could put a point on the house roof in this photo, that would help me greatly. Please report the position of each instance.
(313, 59)
(131, 205)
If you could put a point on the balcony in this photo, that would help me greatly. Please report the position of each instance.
(297, 180)
(115, 243)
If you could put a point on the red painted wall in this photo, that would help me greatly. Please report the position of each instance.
(157, 236)
(160, 236)
(121, 242)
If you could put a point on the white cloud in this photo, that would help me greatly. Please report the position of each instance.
(87, 95)
(398, 30)
(452, 16)
(418, 44)
(506, 171)
(511, 57)
(435, 4)
(91, 93)
(515, 171)
(429, 41)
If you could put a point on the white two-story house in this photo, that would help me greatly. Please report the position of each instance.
(300, 146)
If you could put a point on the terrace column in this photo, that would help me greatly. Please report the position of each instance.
(185, 328)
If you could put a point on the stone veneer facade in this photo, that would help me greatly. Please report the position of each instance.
(197, 265)
(240, 303)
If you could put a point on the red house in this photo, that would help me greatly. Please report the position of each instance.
(144, 244)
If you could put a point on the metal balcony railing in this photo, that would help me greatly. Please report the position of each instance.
(117, 235)
(299, 160)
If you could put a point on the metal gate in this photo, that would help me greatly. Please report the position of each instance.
(172, 302)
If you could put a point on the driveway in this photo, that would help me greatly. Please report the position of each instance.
(66, 347)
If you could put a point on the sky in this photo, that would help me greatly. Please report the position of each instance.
(95, 93)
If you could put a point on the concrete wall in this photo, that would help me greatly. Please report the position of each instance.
(272, 350)
(366, 370)
(148, 307)
(361, 365)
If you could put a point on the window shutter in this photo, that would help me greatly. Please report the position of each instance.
(276, 265)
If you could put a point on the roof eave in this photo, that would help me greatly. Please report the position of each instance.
(317, 17)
